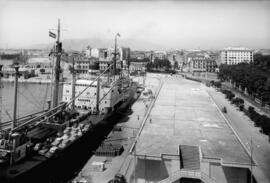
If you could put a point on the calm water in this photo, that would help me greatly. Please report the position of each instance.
(31, 98)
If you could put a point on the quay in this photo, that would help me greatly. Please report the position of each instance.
(188, 138)
(37, 80)
(181, 137)
(130, 127)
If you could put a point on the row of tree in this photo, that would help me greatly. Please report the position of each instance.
(239, 102)
(261, 121)
(253, 77)
(216, 84)
(159, 64)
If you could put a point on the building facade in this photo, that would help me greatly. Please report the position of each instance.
(83, 64)
(232, 56)
(92, 52)
(202, 64)
(138, 55)
(137, 66)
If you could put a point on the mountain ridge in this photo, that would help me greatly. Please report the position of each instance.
(82, 43)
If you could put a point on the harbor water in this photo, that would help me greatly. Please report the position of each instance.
(31, 98)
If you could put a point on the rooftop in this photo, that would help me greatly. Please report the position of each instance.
(237, 49)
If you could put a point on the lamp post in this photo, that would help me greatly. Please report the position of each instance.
(250, 146)
(135, 143)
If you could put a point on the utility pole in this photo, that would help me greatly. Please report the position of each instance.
(15, 95)
(145, 168)
(135, 160)
(57, 67)
(251, 154)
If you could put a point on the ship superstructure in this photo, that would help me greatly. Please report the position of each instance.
(108, 94)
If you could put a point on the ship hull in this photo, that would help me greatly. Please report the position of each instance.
(69, 160)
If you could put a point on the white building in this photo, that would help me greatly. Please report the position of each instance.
(233, 56)
(87, 100)
(95, 52)
(92, 52)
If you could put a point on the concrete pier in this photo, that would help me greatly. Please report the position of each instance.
(180, 135)
(183, 119)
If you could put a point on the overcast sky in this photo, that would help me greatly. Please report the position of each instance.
(172, 24)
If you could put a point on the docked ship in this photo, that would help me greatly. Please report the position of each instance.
(66, 128)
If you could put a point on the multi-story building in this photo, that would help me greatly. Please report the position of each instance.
(9, 57)
(201, 63)
(124, 53)
(40, 63)
(92, 52)
(197, 63)
(106, 56)
(104, 64)
(83, 64)
(138, 55)
(232, 56)
(161, 55)
(211, 65)
(137, 66)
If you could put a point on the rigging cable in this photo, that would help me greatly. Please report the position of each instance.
(28, 99)
(45, 96)
(33, 97)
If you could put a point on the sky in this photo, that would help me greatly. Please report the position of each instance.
(169, 24)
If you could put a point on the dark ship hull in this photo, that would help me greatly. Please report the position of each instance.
(61, 166)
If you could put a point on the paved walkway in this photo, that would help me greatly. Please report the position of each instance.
(245, 129)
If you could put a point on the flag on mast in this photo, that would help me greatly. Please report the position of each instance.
(51, 34)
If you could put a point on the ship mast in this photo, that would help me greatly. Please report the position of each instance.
(57, 67)
(73, 83)
(15, 95)
(98, 90)
(1, 66)
(114, 55)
